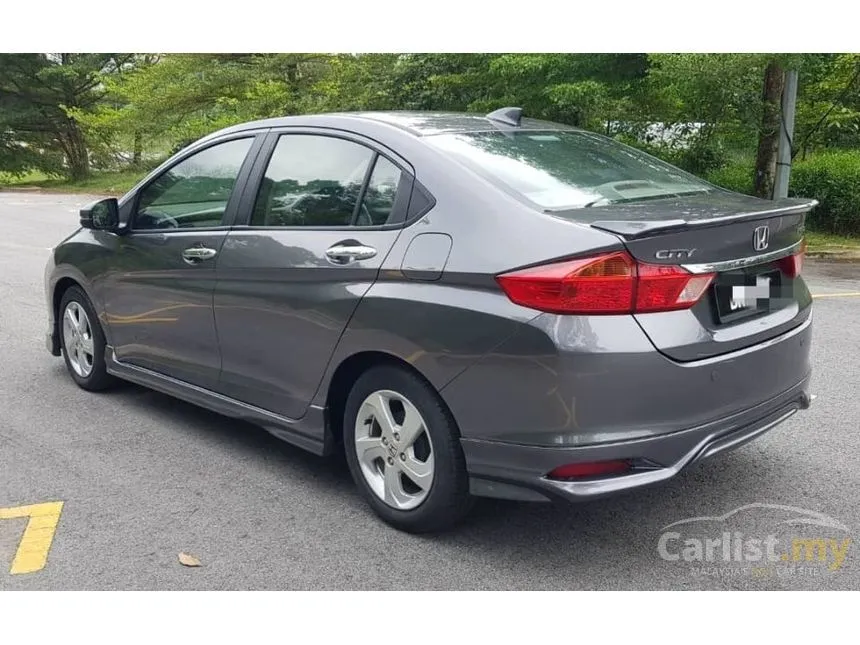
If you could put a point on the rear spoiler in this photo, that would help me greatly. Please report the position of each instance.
(632, 229)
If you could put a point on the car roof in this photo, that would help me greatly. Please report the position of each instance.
(417, 123)
(428, 123)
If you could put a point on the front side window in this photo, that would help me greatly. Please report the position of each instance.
(312, 180)
(194, 193)
(563, 170)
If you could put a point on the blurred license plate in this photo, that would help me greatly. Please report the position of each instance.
(744, 295)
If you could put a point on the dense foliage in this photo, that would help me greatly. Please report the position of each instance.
(38, 95)
(68, 113)
(833, 178)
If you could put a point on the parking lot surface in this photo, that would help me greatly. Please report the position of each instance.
(142, 478)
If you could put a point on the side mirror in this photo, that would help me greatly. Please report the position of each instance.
(102, 215)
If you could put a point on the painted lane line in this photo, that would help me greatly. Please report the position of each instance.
(32, 553)
(846, 294)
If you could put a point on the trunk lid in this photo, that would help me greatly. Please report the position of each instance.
(741, 239)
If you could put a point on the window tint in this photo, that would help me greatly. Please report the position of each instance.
(311, 181)
(193, 193)
(379, 197)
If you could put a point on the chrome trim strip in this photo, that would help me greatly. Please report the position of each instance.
(739, 263)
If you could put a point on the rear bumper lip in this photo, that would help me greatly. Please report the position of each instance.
(526, 466)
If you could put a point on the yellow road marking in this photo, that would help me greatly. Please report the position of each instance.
(846, 294)
(36, 541)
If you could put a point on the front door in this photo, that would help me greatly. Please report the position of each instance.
(158, 298)
(290, 280)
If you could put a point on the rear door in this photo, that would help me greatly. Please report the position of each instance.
(158, 296)
(752, 246)
(321, 213)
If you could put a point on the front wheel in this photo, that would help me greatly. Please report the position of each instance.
(403, 450)
(83, 341)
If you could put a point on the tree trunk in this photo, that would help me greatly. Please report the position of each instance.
(138, 148)
(77, 156)
(768, 136)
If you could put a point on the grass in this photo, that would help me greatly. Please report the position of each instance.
(828, 242)
(100, 183)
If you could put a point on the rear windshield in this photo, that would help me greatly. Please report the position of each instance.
(564, 170)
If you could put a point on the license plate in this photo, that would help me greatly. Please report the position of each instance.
(741, 295)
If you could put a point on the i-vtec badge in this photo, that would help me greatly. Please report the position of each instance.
(674, 254)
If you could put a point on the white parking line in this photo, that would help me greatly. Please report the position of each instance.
(26, 247)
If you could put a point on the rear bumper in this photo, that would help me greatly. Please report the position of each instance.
(515, 471)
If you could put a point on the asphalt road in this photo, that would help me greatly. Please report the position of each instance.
(144, 477)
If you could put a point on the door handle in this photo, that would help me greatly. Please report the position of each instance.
(344, 254)
(197, 254)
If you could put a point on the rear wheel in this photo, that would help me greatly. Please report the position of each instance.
(83, 341)
(403, 450)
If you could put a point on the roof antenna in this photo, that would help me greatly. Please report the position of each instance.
(507, 115)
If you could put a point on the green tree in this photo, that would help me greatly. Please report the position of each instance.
(356, 82)
(828, 107)
(161, 100)
(37, 93)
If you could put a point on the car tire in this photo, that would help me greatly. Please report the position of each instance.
(380, 457)
(84, 352)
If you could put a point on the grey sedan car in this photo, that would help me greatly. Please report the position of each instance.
(466, 305)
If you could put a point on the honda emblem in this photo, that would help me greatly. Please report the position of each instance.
(761, 238)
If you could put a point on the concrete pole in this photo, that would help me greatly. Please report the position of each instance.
(786, 133)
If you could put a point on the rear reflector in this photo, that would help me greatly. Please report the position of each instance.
(610, 283)
(591, 469)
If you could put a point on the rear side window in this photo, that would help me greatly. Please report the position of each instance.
(193, 193)
(312, 180)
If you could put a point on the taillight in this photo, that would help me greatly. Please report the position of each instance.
(610, 283)
(668, 287)
(602, 284)
(793, 264)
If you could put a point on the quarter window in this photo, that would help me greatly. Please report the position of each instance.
(194, 193)
(379, 196)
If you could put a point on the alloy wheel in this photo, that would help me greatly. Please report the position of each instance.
(78, 339)
(394, 450)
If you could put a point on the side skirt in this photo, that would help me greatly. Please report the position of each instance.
(309, 433)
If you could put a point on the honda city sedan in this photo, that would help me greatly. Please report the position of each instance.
(466, 305)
